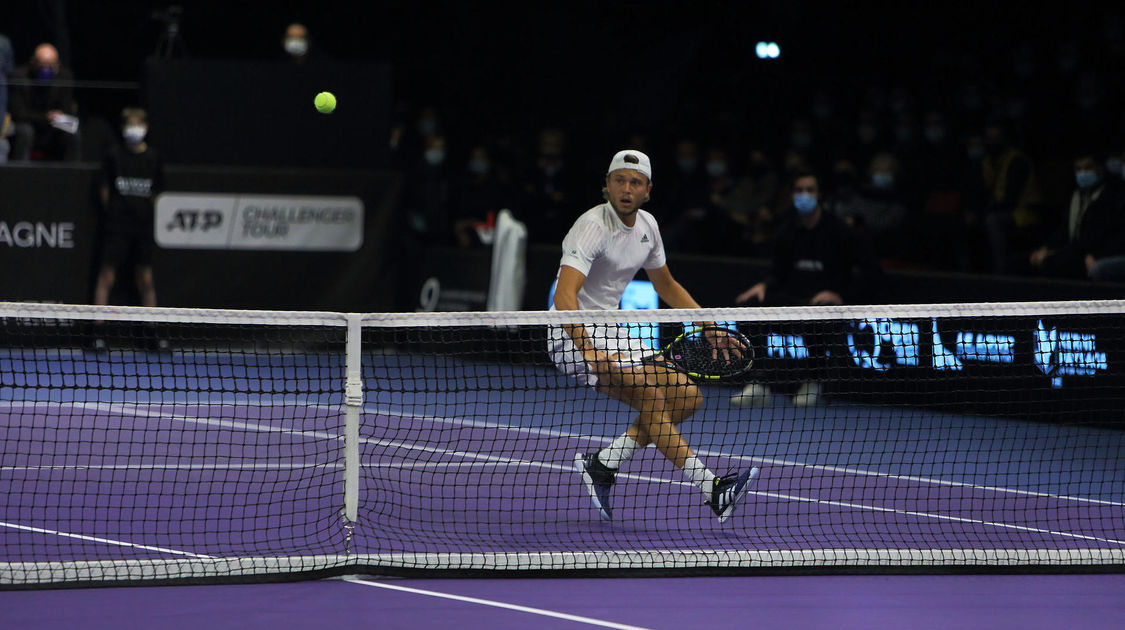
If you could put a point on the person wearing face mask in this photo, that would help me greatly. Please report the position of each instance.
(428, 194)
(1115, 166)
(1090, 242)
(699, 194)
(817, 260)
(547, 189)
(1011, 214)
(719, 225)
(686, 186)
(131, 177)
(43, 109)
(296, 44)
(480, 191)
(876, 206)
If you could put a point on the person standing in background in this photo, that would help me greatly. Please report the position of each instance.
(131, 177)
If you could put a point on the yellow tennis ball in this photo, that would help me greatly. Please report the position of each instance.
(325, 102)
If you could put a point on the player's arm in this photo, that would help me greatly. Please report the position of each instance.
(675, 295)
(672, 292)
(566, 299)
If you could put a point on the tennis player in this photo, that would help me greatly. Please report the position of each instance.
(601, 254)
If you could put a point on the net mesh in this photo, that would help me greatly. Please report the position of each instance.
(165, 444)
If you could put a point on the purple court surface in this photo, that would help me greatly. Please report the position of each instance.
(142, 481)
(993, 602)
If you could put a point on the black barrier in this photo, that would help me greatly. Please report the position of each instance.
(714, 282)
(49, 229)
(1027, 367)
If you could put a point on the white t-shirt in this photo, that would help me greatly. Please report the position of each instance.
(609, 253)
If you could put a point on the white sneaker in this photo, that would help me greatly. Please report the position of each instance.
(808, 394)
(753, 395)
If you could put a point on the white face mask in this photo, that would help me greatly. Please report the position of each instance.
(296, 46)
(716, 168)
(434, 156)
(134, 134)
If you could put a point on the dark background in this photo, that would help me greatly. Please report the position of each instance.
(611, 65)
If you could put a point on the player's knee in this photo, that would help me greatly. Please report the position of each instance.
(687, 400)
(692, 397)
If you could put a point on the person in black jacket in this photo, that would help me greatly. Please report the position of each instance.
(1093, 229)
(817, 260)
(44, 112)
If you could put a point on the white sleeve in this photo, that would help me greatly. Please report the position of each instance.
(583, 244)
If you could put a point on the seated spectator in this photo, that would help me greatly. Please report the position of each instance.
(875, 206)
(1090, 243)
(708, 228)
(549, 207)
(7, 61)
(479, 195)
(817, 260)
(44, 112)
(685, 187)
(1115, 166)
(428, 195)
(760, 192)
(1011, 211)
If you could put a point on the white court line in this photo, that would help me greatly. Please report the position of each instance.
(107, 541)
(254, 467)
(553, 466)
(488, 602)
(454, 420)
(754, 460)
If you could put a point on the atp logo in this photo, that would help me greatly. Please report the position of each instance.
(191, 220)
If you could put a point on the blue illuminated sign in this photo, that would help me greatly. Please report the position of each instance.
(1059, 354)
(880, 344)
(892, 343)
(639, 294)
(786, 346)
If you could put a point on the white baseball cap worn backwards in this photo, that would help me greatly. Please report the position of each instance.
(634, 160)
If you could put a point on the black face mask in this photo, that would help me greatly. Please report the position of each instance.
(994, 148)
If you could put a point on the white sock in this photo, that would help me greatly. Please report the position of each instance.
(620, 450)
(695, 471)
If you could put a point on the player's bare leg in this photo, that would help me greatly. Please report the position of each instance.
(663, 399)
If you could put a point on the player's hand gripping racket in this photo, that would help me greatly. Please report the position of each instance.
(707, 353)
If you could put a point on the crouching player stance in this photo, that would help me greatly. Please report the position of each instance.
(601, 255)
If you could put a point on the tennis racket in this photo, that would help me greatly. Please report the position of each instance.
(707, 353)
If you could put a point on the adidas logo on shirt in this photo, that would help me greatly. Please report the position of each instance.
(644, 238)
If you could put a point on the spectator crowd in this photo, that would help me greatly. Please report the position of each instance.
(1021, 173)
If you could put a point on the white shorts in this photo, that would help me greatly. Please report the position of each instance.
(609, 338)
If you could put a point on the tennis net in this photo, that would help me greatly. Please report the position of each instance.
(189, 444)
